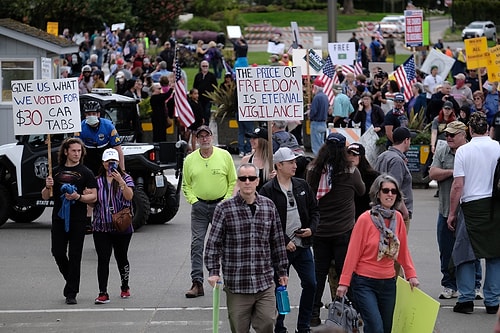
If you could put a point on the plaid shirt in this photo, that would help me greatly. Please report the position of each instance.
(250, 247)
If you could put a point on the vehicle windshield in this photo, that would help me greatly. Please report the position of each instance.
(475, 26)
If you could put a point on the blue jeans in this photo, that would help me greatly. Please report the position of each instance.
(370, 295)
(303, 262)
(466, 274)
(244, 142)
(318, 135)
(446, 241)
(201, 217)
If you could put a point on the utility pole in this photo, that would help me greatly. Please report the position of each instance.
(332, 21)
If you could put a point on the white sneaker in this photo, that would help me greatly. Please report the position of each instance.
(479, 294)
(448, 293)
(242, 154)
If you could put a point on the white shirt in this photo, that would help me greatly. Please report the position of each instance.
(431, 82)
(476, 162)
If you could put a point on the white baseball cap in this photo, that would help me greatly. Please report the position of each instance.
(284, 154)
(110, 154)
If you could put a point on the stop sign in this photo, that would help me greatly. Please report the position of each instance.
(370, 26)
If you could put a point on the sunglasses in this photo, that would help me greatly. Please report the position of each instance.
(291, 201)
(387, 190)
(451, 135)
(245, 178)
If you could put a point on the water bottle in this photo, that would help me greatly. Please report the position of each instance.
(282, 300)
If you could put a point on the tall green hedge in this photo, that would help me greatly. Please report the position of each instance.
(466, 11)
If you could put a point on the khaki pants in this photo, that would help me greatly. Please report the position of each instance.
(258, 309)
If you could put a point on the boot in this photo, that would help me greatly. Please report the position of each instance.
(315, 319)
(196, 290)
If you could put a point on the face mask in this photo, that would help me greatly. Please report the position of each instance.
(92, 120)
(489, 87)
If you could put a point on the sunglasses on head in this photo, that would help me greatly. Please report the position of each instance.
(387, 190)
(245, 178)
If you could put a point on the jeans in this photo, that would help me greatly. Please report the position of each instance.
(318, 135)
(370, 295)
(244, 142)
(327, 249)
(446, 241)
(201, 217)
(207, 112)
(302, 260)
(466, 273)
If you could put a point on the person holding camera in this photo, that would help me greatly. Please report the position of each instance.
(115, 190)
(299, 215)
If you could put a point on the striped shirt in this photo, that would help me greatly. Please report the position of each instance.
(249, 246)
(102, 213)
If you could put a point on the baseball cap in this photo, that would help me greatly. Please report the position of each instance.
(284, 154)
(399, 97)
(336, 139)
(356, 149)
(87, 68)
(448, 105)
(318, 82)
(400, 134)
(110, 154)
(460, 76)
(120, 61)
(203, 128)
(455, 127)
(259, 132)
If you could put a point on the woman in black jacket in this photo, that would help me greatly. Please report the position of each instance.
(369, 114)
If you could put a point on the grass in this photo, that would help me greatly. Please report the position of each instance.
(312, 18)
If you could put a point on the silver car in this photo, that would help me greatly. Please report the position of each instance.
(480, 29)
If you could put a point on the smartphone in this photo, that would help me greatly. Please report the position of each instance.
(112, 166)
(299, 231)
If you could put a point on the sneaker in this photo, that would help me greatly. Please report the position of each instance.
(242, 154)
(491, 309)
(464, 307)
(315, 321)
(448, 293)
(103, 298)
(479, 294)
(71, 300)
(196, 290)
(125, 293)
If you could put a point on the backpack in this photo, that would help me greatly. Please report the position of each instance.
(342, 314)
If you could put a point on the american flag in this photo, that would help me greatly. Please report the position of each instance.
(356, 69)
(406, 76)
(227, 67)
(182, 108)
(328, 78)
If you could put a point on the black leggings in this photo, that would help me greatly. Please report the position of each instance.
(105, 243)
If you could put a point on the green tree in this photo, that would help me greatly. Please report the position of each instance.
(161, 15)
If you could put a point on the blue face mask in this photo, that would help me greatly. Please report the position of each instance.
(489, 87)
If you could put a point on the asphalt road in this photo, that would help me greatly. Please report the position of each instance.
(31, 287)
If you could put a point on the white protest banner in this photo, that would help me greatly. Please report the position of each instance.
(46, 106)
(439, 59)
(274, 48)
(270, 93)
(46, 66)
(117, 26)
(342, 53)
(299, 60)
(233, 31)
(413, 28)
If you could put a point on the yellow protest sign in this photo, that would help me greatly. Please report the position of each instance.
(53, 28)
(415, 311)
(493, 65)
(476, 50)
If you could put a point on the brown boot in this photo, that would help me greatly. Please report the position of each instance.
(196, 290)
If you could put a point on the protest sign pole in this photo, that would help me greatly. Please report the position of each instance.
(270, 145)
(49, 160)
(308, 87)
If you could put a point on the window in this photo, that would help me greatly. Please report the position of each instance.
(11, 70)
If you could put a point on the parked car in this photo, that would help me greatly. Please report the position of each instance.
(480, 29)
(392, 25)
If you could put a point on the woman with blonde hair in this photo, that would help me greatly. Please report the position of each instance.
(259, 156)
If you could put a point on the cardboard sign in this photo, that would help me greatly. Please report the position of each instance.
(274, 48)
(342, 53)
(233, 31)
(299, 60)
(53, 28)
(46, 106)
(477, 52)
(295, 34)
(439, 59)
(117, 26)
(493, 65)
(413, 28)
(270, 93)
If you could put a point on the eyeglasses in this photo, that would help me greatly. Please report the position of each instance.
(245, 178)
(450, 135)
(387, 190)
(203, 137)
(291, 201)
(204, 66)
(478, 98)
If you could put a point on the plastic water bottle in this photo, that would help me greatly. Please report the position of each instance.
(282, 300)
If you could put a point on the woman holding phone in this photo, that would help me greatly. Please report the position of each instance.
(115, 190)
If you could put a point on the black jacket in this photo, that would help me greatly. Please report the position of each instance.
(306, 205)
